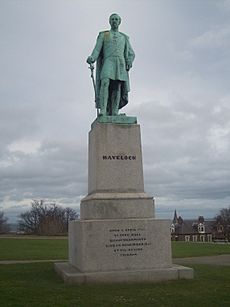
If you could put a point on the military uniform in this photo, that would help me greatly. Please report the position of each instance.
(112, 45)
(113, 52)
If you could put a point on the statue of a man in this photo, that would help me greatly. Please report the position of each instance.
(114, 56)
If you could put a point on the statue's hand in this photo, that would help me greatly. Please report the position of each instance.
(128, 66)
(90, 60)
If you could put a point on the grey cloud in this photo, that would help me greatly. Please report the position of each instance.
(57, 170)
(179, 157)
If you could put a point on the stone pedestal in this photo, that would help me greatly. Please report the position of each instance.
(118, 238)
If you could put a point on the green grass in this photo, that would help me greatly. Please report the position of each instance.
(190, 249)
(33, 249)
(38, 285)
(52, 248)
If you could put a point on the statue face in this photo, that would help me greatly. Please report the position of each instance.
(114, 21)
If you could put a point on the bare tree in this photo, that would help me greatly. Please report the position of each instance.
(70, 214)
(225, 215)
(46, 219)
(4, 227)
(222, 222)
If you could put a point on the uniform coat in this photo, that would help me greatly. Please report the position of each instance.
(113, 52)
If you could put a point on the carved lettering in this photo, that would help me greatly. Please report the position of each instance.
(119, 157)
(128, 241)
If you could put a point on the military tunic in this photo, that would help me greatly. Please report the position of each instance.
(113, 46)
(112, 53)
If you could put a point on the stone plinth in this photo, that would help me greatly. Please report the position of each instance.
(117, 206)
(118, 238)
(116, 184)
(119, 244)
(115, 159)
(71, 275)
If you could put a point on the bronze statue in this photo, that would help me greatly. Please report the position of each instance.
(114, 57)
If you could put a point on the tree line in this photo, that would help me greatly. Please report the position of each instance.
(42, 219)
(51, 219)
(4, 226)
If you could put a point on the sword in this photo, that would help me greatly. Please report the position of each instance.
(91, 67)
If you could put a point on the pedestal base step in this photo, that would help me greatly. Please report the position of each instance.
(71, 275)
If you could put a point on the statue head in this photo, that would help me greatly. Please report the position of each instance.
(115, 21)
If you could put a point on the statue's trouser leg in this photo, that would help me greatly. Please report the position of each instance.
(116, 98)
(104, 95)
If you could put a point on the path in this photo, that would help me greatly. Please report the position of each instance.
(30, 261)
(213, 260)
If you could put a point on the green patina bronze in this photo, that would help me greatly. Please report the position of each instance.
(114, 56)
(121, 119)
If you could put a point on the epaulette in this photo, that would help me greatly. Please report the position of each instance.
(103, 32)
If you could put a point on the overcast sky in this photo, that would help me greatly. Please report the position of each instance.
(180, 93)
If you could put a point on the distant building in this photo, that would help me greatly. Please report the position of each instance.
(191, 230)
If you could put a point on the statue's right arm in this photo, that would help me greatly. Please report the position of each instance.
(96, 51)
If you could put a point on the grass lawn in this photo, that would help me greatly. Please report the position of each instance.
(190, 249)
(57, 248)
(33, 249)
(38, 285)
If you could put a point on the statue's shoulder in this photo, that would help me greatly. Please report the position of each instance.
(126, 36)
(103, 34)
(106, 32)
